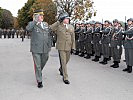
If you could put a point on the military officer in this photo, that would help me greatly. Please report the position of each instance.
(65, 42)
(116, 43)
(96, 41)
(105, 41)
(40, 43)
(128, 45)
(88, 40)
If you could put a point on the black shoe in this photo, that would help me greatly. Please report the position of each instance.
(40, 85)
(129, 69)
(66, 81)
(92, 54)
(76, 53)
(96, 59)
(104, 62)
(126, 69)
(60, 72)
(109, 59)
(112, 65)
(88, 56)
(116, 64)
(81, 55)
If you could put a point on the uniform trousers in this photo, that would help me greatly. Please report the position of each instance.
(40, 60)
(64, 57)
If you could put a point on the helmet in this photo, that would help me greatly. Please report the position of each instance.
(115, 21)
(130, 19)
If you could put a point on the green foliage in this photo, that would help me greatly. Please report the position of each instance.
(1, 17)
(24, 14)
(6, 19)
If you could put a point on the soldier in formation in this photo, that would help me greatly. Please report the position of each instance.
(128, 46)
(105, 39)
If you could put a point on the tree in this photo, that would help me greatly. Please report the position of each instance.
(49, 7)
(7, 19)
(77, 9)
(24, 15)
(1, 17)
(16, 26)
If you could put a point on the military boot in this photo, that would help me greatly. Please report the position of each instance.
(88, 56)
(126, 69)
(104, 62)
(82, 54)
(60, 70)
(39, 85)
(96, 59)
(129, 69)
(77, 52)
(109, 58)
(116, 64)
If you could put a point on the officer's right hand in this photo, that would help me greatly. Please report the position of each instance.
(35, 18)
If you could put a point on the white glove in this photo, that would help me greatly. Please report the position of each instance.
(100, 42)
(91, 42)
(109, 45)
(118, 47)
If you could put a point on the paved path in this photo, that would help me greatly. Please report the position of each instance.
(89, 80)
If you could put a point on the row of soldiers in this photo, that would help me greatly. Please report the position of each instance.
(96, 39)
(10, 33)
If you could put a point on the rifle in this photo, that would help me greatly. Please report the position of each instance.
(125, 23)
(102, 24)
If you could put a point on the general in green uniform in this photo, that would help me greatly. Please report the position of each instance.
(40, 43)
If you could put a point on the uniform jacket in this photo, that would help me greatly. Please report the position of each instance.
(40, 38)
(116, 37)
(128, 43)
(106, 35)
(77, 33)
(65, 36)
(89, 34)
(96, 35)
(82, 35)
